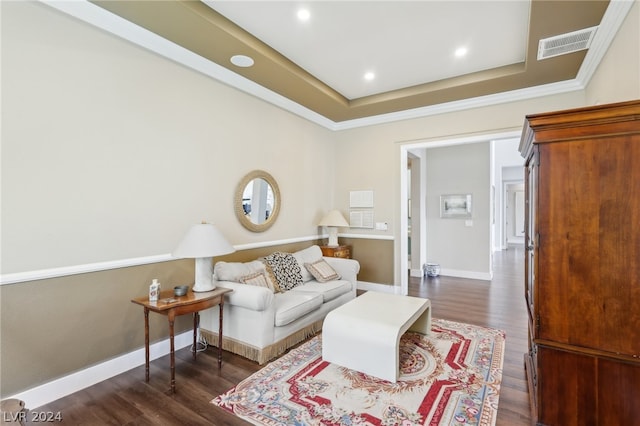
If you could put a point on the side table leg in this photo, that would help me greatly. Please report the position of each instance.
(173, 356)
(146, 345)
(196, 321)
(220, 306)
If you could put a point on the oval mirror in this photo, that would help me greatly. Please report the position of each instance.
(257, 201)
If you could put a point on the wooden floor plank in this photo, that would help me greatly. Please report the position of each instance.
(127, 400)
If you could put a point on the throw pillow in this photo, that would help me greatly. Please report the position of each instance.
(230, 271)
(272, 278)
(258, 279)
(307, 255)
(322, 271)
(285, 270)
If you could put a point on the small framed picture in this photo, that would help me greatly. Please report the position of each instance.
(455, 206)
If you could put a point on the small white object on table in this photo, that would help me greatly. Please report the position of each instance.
(364, 334)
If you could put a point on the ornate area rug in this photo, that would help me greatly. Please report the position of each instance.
(451, 377)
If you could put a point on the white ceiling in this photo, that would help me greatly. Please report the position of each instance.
(405, 43)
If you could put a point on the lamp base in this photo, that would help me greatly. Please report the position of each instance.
(204, 275)
(333, 236)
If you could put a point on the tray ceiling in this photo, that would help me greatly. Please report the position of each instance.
(410, 46)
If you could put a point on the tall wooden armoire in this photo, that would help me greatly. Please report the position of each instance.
(582, 283)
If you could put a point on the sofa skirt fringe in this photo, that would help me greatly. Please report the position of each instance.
(262, 355)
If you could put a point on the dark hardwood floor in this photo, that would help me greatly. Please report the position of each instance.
(127, 400)
(498, 303)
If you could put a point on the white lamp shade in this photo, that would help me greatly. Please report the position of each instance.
(203, 240)
(334, 218)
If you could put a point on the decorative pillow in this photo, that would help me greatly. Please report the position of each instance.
(285, 270)
(322, 271)
(230, 271)
(258, 279)
(307, 255)
(272, 278)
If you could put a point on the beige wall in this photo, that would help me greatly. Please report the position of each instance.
(617, 78)
(111, 152)
(375, 257)
(54, 327)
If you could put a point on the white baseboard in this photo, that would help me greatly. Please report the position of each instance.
(415, 272)
(457, 274)
(56, 389)
(382, 288)
(466, 274)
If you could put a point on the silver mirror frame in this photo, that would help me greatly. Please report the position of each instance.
(237, 201)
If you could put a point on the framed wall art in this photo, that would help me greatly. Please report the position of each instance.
(456, 206)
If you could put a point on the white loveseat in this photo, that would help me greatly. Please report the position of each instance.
(260, 323)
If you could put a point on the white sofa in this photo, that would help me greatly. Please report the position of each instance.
(261, 324)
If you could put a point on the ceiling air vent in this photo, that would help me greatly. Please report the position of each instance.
(566, 43)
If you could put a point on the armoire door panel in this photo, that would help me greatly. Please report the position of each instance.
(595, 254)
(618, 392)
(571, 378)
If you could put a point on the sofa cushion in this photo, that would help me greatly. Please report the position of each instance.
(322, 271)
(308, 255)
(329, 290)
(285, 269)
(290, 306)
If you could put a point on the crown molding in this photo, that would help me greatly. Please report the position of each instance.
(477, 102)
(114, 24)
(612, 20)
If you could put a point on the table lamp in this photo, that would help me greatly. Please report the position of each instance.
(332, 221)
(202, 242)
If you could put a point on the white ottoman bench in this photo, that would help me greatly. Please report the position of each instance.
(364, 334)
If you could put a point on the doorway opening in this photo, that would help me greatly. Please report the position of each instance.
(513, 213)
(413, 251)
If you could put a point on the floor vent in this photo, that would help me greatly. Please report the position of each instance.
(566, 43)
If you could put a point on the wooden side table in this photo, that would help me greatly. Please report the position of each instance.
(336, 251)
(173, 306)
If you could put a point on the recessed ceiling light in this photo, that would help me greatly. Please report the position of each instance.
(242, 61)
(461, 51)
(304, 14)
(369, 76)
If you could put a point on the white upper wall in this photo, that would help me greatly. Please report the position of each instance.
(111, 152)
(506, 153)
(617, 78)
